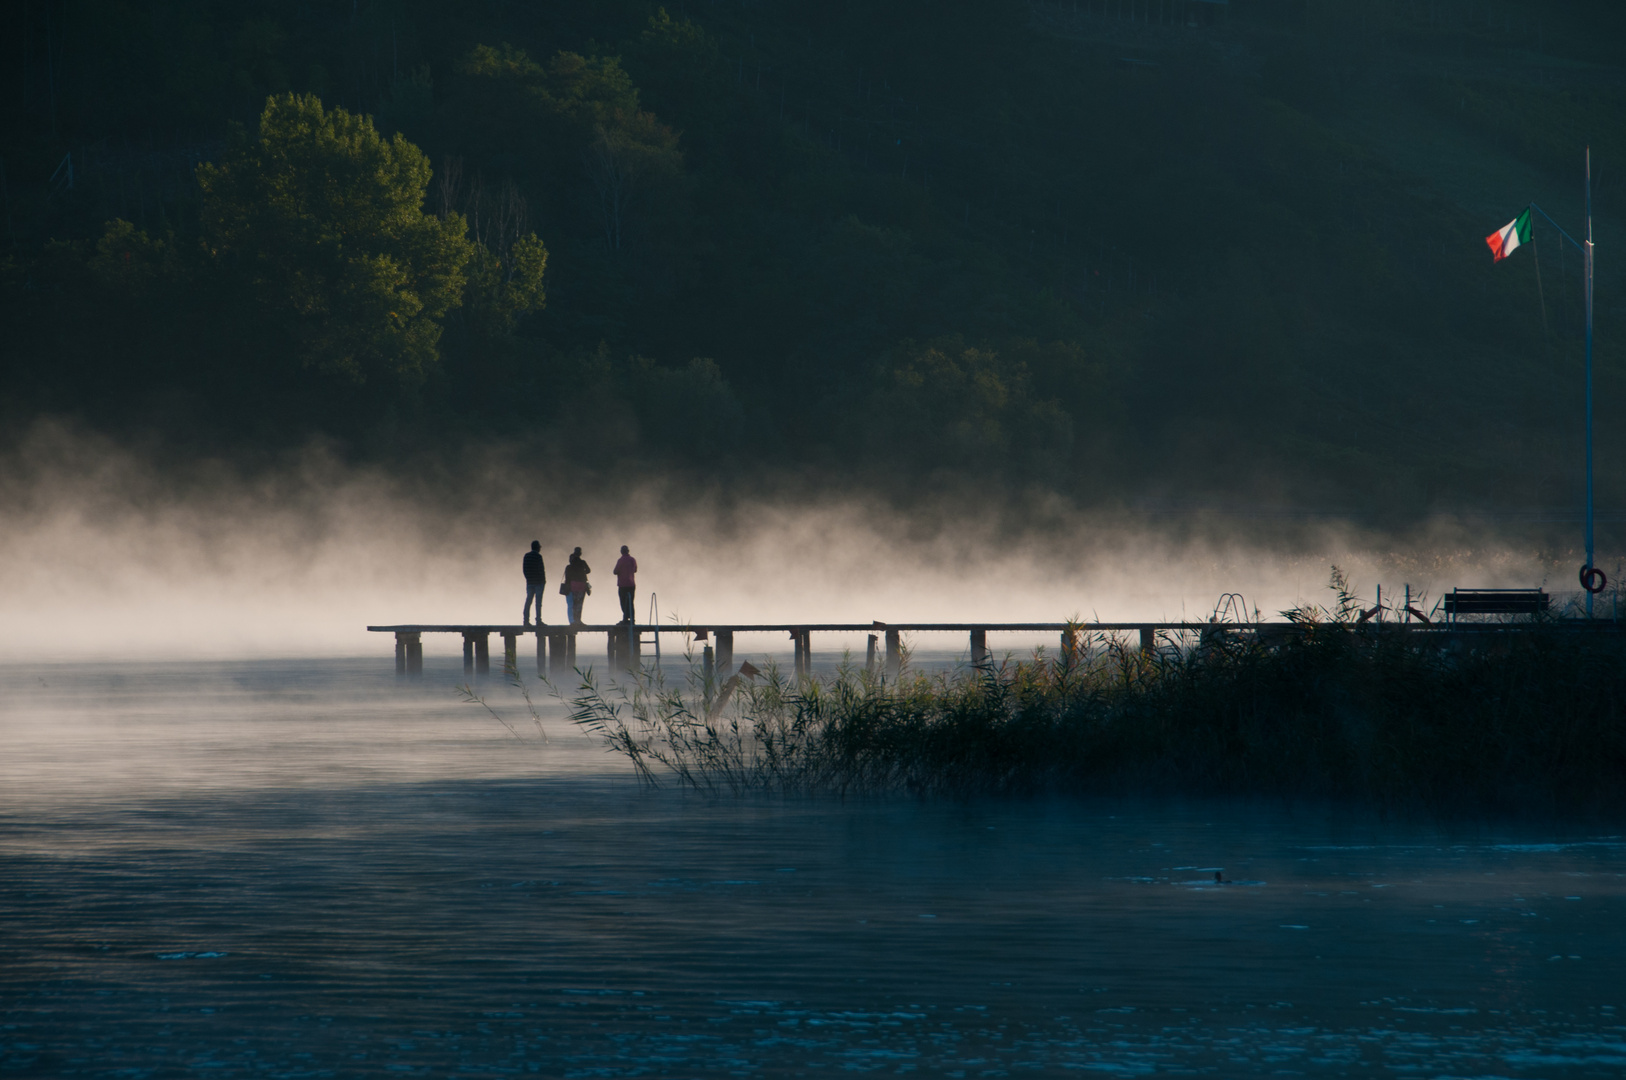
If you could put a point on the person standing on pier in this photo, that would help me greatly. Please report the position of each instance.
(626, 570)
(576, 588)
(536, 576)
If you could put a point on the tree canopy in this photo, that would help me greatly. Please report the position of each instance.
(1224, 253)
(322, 219)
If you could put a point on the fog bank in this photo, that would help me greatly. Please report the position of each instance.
(105, 554)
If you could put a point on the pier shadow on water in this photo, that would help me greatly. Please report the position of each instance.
(299, 869)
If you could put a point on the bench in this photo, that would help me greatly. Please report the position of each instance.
(1495, 602)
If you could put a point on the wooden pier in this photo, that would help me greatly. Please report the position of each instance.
(625, 644)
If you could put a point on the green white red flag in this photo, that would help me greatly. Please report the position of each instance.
(1506, 240)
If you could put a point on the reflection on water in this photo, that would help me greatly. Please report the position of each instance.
(299, 869)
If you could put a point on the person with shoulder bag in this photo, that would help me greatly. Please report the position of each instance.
(575, 585)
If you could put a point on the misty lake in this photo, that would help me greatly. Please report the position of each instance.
(301, 868)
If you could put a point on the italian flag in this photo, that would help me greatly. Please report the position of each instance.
(1506, 240)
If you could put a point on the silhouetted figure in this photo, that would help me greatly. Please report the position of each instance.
(536, 576)
(575, 585)
(626, 569)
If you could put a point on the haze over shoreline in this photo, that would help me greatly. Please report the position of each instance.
(105, 554)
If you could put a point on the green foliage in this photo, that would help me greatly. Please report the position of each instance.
(951, 405)
(1249, 271)
(321, 219)
(131, 263)
(505, 286)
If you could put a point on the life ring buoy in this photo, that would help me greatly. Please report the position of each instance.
(1591, 575)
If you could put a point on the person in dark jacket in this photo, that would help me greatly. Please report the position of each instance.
(626, 571)
(536, 576)
(576, 588)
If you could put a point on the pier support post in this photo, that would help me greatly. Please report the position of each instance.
(400, 655)
(869, 655)
(558, 663)
(725, 649)
(979, 648)
(1069, 647)
(799, 658)
(708, 664)
(894, 654)
(635, 649)
(570, 650)
(482, 654)
(1148, 640)
(610, 644)
(468, 656)
(541, 654)
(414, 656)
(510, 652)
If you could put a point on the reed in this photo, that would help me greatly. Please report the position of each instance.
(1528, 722)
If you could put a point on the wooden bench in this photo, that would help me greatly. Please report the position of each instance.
(1495, 602)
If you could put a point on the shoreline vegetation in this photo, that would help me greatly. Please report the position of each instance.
(1529, 723)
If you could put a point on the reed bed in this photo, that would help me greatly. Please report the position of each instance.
(1527, 722)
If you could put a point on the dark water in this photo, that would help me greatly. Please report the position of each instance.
(299, 870)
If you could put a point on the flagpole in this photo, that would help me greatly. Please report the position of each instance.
(1587, 276)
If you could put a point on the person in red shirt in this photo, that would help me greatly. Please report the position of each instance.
(625, 569)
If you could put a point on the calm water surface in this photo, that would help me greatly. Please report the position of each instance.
(300, 869)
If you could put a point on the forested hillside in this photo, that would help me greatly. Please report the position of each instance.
(1149, 252)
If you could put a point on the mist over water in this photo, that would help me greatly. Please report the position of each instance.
(294, 868)
(104, 553)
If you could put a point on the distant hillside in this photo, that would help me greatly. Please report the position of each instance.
(1208, 252)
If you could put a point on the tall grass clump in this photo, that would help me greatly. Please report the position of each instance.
(1530, 721)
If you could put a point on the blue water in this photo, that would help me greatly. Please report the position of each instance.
(301, 869)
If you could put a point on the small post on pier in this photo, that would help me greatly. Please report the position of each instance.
(894, 654)
(635, 649)
(610, 643)
(510, 652)
(869, 655)
(725, 649)
(798, 640)
(1148, 640)
(570, 651)
(1069, 647)
(468, 656)
(541, 654)
(400, 654)
(708, 664)
(979, 647)
(558, 662)
(482, 654)
(414, 655)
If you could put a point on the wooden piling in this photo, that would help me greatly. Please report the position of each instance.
(979, 647)
(799, 658)
(635, 649)
(611, 640)
(510, 651)
(541, 654)
(414, 656)
(869, 655)
(400, 655)
(1148, 640)
(468, 656)
(894, 654)
(708, 664)
(558, 662)
(482, 654)
(1069, 647)
(570, 651)
(725, 649)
